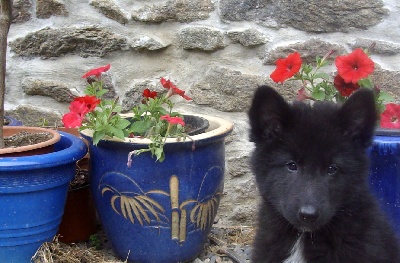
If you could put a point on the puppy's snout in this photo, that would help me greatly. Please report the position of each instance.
(308, 214)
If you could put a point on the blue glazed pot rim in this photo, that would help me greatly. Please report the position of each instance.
(13, 121)
(218, 128)
(69, 149)
(387, 132)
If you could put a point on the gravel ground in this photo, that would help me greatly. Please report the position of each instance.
(225, 244)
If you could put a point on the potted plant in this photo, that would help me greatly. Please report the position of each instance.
(155, 187)
(353, 72)
(34, 185)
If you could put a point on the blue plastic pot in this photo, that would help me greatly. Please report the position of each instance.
(33, 192)
(385, 173)
(12, 121)
(159, 212)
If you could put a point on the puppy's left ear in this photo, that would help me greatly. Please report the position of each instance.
(358, 116)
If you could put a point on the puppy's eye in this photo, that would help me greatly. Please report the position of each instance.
(292, 166)
(332, 169)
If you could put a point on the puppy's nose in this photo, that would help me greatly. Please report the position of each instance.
(308, 214)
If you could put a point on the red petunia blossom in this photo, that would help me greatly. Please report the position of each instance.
(172, 89)
(173, 120)
(286, 67)
(72, 119)
(97, 71)
(83, 105)
(390, 117)
(354, 66)
(149, 94)
(345, 88)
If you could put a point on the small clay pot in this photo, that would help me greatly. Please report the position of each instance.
(79, 220)
(29, 150)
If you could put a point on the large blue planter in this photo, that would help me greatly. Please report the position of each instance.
(33, 192)
(385, 173)
(159, 212)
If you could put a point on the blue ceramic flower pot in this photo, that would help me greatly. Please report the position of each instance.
(33, 192)
(12, 121)
(385, 173)
(159, 212)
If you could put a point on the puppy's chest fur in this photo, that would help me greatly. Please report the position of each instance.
(296, 253)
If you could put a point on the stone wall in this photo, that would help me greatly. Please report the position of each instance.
(219, 51)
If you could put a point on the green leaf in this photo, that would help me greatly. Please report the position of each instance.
(140, 127)
(384, 96)
(116, 132)
(307, 68)
(122, 123)
(100, 93)
(318, 94)
(366, 83)
(97, 136)
(159, 152)
(322, 75)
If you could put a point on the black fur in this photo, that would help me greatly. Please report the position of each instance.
(311, 169)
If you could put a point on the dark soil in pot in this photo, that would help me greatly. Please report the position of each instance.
(25, 138)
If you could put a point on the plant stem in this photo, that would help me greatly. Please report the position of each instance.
(5, 21)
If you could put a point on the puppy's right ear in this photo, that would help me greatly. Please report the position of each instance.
(268, 114)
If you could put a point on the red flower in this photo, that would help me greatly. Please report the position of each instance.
(172, 89)
(79, 107)
(286, 68)
(345, 88)
(149, 94)
(83, 105)
(355, 66)
(72, 120)
(390, 117)
(97, 71)
(173, 120)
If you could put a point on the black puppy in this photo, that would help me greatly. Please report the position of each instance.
(311, 168)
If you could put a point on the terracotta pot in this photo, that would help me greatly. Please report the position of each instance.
(29, 150)
(79, 220)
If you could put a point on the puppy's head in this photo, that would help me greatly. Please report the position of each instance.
(310, 161)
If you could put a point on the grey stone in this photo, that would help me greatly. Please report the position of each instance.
(134, 96)
(146, 43)
(110, 9)
(388, 81)
(21, 10)
(239, 10)
(174, 10)
(381, 47)
(86, 42)
(202, 38)
(225, 90)
(48, 8)
(248, 37)
(238, 167)
(306, 15)
(308, 50)
(58, 91)
(35, 116)
(107, 84)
